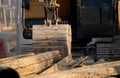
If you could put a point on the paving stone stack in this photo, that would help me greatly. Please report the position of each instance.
(108, 51)
(54, 37)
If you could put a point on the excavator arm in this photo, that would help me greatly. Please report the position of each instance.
(51, 12)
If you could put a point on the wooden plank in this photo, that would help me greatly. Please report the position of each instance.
(15, 57)
(31, 63)
(95, 71)
(102, 72)
(63, 49)
(65, 64)
(34, 68)
(61, 65)
(80, 61)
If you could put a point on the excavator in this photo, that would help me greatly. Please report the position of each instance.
(48, 32)
(86, 18)
(36, 12)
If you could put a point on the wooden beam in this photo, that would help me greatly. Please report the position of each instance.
(65, 64)
(61, 65)
(31, 63)
(15, 57)
(94, 71)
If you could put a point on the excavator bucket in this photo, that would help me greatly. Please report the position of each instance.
(54, 37)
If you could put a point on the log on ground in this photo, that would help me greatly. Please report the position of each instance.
(32, 63)
(94, 71)
(61, 65)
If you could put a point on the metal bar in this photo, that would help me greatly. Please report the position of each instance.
(19, 24)
(1, 16)
(11, 12)
(4, 13)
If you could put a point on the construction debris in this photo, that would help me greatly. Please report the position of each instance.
(65, 64)
(30, 63)
(79, 62)
(53, 65)
(61, 65)
(94, 71)
(52, 56)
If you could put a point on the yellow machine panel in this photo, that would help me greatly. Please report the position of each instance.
(36, 10)
(119, 14)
